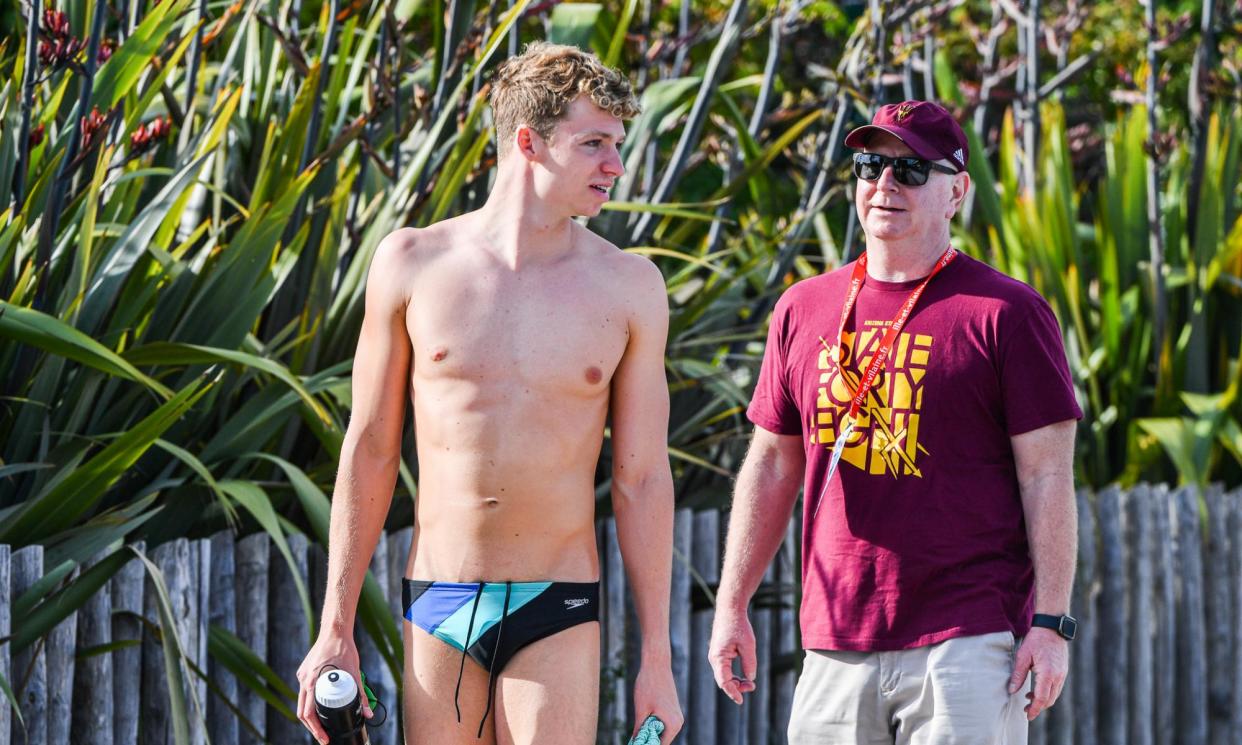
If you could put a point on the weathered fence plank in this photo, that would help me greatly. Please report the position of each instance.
(1221, 618)
(730, 718)
(1166, 618)
(785, 644)
(1138, 506)
(198, 590)
(1191, 633)
(288, 634)
(221, 605)
(613, 680)
(91, 706)
(1112, 652)
(127, 601)
(758, 714)
(251, 563)
(379, 677)
(679, 606)
(1037, 731)
(705, 560)
(61, 641)
(29, 664)
(172, 560)
(1081, 686)
(399, 544)
(6, 626)
(1235, 589)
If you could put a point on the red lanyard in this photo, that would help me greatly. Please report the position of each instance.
(886, 344)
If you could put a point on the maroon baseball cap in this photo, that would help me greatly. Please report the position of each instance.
(925, 127)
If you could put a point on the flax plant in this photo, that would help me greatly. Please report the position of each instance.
(186, 226)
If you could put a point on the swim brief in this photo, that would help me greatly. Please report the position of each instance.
(492, 621)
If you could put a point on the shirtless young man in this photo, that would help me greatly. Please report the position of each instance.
(516, 332)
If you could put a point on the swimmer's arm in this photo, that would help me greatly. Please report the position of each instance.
(371, 451)
(642, 493)
(642, 483)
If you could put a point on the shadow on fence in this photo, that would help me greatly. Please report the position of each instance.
(1158, 596)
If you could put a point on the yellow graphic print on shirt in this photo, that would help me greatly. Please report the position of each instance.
(885, 439)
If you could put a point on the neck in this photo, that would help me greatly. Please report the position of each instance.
(902, 261)
(521, 226)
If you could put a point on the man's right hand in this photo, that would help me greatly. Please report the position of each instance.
(732, 636)
(331, 650)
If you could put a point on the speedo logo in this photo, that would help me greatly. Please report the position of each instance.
(576, 603)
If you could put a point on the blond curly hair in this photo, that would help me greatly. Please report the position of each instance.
(536, 88)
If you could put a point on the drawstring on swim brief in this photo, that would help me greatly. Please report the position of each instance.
(491, 679)
(469, 630)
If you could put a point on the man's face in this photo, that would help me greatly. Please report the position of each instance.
(583, 158)
(889, 210)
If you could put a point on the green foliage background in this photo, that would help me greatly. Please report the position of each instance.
(178, 311)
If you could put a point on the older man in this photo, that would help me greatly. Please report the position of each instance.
(923, 402)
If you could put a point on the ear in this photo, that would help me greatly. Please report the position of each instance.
(527, 142)
(961, 189)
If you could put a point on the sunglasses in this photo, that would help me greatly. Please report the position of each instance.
(907, 171)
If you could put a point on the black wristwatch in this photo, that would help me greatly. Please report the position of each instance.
(1066, 626)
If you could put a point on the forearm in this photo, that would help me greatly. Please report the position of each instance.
(763, 500)
(644, 514)
(360, 503)
(1052, 532)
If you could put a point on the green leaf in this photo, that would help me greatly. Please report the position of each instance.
(59, 507)
(256, 501)
(42, 618)
(52, 335)
(79, 544)
(122, 71)
(174, 658)
(373, 608)
(573, 24)
(250, 669)
(172, 353)
(124, 254)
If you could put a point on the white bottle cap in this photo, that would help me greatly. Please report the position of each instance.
(335, 688)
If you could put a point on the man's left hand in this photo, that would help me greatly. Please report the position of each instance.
(656, 693)
(1046, 654)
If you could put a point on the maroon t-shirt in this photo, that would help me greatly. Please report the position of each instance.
(920, 535)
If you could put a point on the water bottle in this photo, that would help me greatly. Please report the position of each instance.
(339, 707)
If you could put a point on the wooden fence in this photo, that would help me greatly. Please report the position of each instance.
(1159, 658)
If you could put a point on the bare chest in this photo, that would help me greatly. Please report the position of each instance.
(540, 334)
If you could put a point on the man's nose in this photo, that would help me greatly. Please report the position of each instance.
(887, 180)
(613, 166)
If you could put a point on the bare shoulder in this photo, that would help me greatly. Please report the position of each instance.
(395, 264)
(636, 277)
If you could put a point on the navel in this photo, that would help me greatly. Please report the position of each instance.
(594, 375)
(438, 354)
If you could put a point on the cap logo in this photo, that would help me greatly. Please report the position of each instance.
(904, 110)
(957, 155)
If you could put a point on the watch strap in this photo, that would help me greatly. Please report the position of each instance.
(1065, 626)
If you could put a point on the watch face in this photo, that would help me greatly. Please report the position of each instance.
(1069, 627)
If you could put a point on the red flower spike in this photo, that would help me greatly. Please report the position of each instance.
(36, 136)
(56, 24)
(106, 48)
(91, 125)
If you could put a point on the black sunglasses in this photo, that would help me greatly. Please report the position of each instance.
(907, 171)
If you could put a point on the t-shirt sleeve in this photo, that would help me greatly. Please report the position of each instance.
(773, 406)
(1035, 377)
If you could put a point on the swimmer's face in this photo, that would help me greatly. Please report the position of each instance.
(582, 159)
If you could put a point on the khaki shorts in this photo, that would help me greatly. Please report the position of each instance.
(943, 694)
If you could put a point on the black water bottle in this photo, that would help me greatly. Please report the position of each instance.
(338, 704)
